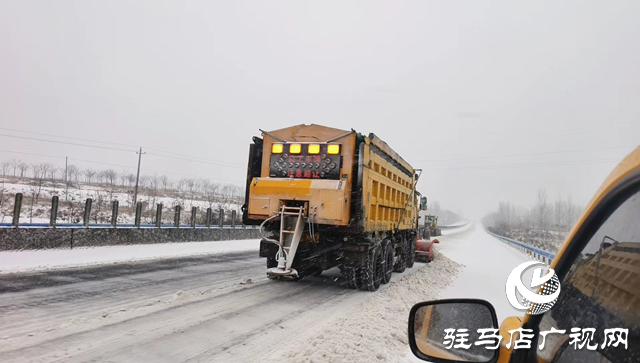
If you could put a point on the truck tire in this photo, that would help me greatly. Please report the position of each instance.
(350, 275)
(370, 276)
(411, 256)
(387, 258)
(438, 232)
(401, 265)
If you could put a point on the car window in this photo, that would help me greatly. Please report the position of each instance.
(600, 291)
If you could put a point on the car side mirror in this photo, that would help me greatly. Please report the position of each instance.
(429, 340)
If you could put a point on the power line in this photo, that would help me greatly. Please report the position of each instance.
(185, 157)
(198, 161)
(18, 152)
(528, 154)
(120, 165)
(152, 170)
(99, 162)
(66, 143)
(190, 157)
(66, 137)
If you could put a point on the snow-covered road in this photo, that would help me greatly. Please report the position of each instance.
(196, 309)
(486, 266)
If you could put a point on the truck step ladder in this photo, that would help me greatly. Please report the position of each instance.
(291, 227)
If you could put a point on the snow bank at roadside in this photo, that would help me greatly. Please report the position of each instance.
(376, 329)
(21, 261)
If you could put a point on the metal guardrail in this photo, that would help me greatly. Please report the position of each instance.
(86, 217)
(453, 226)
(537, 253)
(130, 225)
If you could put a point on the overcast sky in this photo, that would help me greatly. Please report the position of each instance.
(493, 99)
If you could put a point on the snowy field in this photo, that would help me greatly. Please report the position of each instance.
(23, 261)
(80, 192)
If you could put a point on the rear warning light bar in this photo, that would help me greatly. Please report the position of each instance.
(305, 160)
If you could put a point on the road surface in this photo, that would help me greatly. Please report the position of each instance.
(189, 309)
(203, 309)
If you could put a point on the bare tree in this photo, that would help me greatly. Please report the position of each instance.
(211, 193)
(542, 211)
(98, 203)
(131, 179)
(36, 187)
(4, 203)
(123, 175)
(35, 170)
(74, 211)
(573, 212)
(23, 167)
(164, 181)
(110, 176)
(5, 167)
(44, 168)
(53, 172)
(88, 175)
(72, 173)
(560, 213)
(14, 164)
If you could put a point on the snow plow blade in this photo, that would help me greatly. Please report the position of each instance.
(424, 250)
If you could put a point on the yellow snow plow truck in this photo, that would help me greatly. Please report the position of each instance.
(325, 197)
(431, 226)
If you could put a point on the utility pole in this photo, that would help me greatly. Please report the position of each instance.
(66, 184)
(135, 195)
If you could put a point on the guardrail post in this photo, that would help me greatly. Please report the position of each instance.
(159, 215)
(233, 218)
(209, 217)
(138, 214)
(221, 217)
(193, 216)
(17, 206)
(176, 217)
(114, 213)
(54, 211)
(87, 212)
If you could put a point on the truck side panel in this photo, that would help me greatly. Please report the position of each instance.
(387, 187)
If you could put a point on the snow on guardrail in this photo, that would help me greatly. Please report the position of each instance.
(455, 225)
(537, 253)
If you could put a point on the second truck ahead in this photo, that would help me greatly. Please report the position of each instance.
(431, 228)
(326, 197)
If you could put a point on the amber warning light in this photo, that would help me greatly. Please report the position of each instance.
(333, 149)
(276, 149)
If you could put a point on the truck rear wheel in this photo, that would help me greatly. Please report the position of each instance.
(387, 258)
(411, 256)
(371, 274)
(350, 275)
(401, 265)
